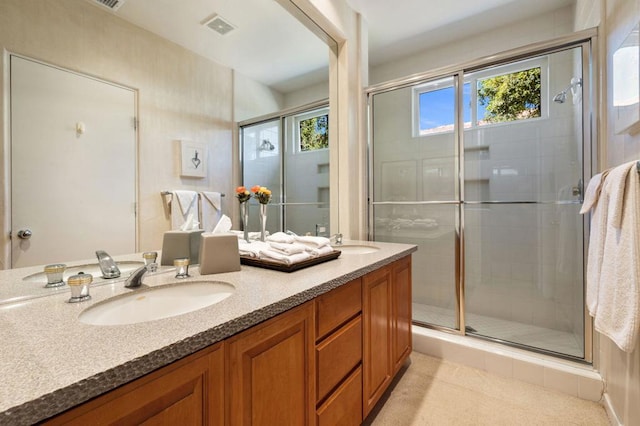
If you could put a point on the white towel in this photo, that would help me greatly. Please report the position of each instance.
(596, 203)
(281, 237)
(320, 251)
(313, 242)
(183, 204)
(211, 210)
(288, 248)
(253, 236)
(275, 256)
(252, 249)
(617, 313)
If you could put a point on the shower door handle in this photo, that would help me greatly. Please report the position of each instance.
(578, 190)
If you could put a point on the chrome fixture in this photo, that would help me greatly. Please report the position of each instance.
(266, 146)
(182, 267)
(574, 86)
(25, 234)
(135, 279)
(107, 265)
(79, 285)
(54, 274)
(338, 239)
(150, 258)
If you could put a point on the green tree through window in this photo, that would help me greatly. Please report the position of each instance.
(314, 133)
(511, 97)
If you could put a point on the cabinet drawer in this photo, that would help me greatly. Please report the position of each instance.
(337, 355)
(344, 407)
(337, 306)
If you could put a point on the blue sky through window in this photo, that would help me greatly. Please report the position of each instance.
(437, 109)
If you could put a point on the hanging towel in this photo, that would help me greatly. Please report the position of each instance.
(211, 210)
(617, 313)
(596, 203)
(183, 204)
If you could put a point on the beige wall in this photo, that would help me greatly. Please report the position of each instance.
(180, 96)
(543, 27)
(620, 370)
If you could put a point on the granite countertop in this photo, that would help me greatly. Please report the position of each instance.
(51, 361)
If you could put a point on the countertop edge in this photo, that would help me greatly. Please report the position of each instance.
(60, 400)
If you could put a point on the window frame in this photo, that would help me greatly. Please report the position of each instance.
(472, 79)
(295, 123)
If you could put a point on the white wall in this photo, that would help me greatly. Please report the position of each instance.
(543, 27)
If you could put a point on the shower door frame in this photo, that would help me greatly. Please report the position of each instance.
(587, 40)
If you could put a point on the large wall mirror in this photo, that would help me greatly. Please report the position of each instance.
(190, 83)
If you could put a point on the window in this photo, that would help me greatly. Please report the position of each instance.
(314, 133)
(516, 93)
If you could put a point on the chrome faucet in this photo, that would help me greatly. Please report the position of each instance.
(107, 265)
(338, 239)
(135, 279)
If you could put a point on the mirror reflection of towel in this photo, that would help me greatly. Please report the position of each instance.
(211, 210)
(183, 204)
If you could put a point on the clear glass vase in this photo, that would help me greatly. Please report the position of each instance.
(244, 217)
(263, 221)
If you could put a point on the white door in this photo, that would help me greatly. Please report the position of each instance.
(73, 165)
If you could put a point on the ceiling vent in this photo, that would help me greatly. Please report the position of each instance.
(112, 5)
(220, 25)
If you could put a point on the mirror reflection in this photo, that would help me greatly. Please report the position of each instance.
(182, 81)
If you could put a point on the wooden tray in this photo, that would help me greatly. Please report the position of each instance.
(261, 263)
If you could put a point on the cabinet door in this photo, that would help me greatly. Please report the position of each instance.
(271, 378)
(401, 296)
(377, 311)
(189, 391)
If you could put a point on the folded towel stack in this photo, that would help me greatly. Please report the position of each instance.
(286, 249)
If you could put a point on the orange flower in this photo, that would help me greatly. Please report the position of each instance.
(241, 190)
(255, 188)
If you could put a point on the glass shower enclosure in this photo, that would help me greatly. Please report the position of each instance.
(482, 168)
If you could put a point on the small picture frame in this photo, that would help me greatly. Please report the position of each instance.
(193, 159)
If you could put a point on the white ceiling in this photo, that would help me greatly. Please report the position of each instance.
(271, 46)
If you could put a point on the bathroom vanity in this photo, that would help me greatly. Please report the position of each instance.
(316, 346)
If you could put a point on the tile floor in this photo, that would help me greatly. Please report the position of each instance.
(433, 391)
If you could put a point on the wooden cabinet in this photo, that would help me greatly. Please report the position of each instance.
(271, 366)
(189, 391)
(386, 295)
(339, 355)
(325, 362)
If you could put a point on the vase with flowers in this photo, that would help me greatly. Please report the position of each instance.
(243, 196)
(263, 195)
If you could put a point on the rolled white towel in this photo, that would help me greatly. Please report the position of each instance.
(275, 256)
(292, 248)
(320, 251)
(281, 237)
(314, 242)
(251, 249)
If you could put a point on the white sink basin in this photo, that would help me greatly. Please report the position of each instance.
(157, 303)
(356, 249)
(91, 268)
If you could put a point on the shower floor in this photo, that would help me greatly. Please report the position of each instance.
(511, 331)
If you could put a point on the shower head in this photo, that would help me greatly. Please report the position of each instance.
(561, 97)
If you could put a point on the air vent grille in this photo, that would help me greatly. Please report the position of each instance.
(112, 5)
(219, 25)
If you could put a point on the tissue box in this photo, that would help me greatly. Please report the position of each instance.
(219, 253)
(181, 244)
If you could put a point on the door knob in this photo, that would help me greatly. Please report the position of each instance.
(24, 234)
